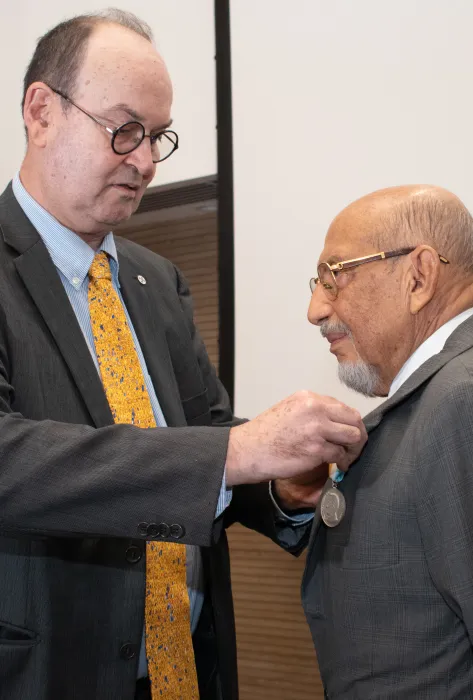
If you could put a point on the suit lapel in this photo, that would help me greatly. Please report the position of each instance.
(43, 283)
(40, 277)
(143, 304)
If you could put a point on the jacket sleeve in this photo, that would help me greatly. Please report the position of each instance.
(62, 479)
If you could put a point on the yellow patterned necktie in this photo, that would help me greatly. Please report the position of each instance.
(169, 650)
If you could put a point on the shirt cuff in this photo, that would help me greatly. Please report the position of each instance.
(225, 497)
(296, 519)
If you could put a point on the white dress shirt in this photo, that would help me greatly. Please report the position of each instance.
(430, 347)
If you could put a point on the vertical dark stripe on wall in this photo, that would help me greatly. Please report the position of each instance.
(225, 196)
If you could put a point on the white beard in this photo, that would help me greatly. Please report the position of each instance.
(359, 376)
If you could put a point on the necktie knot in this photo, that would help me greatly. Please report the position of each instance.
(100, 268)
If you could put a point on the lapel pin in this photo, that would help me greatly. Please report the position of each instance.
(141, 279)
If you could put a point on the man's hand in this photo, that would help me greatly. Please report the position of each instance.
(294, 437)
(301, 491)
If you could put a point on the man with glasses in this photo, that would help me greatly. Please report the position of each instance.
(121, 462)
(388, 585)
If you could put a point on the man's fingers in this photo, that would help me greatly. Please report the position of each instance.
(339, 413)
(332, 453)
(345, 460)
(292, 437)
(342, 434)
(349, 455)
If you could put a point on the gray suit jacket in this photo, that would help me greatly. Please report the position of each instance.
(80, 496)
(388, 594)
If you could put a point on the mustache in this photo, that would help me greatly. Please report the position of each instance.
(327, 327)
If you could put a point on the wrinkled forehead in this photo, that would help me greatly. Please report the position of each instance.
(121, 65)
(352, 234)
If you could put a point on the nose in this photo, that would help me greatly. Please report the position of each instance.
(320, 307)
(142, 159)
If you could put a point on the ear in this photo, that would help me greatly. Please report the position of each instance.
(422, 276)
(37, 113)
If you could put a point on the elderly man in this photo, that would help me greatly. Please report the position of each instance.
(117, 442)
(388, 586)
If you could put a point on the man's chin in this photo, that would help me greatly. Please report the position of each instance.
(359, 376)
(345, 352)
(118, 215)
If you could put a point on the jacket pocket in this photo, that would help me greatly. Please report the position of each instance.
(18, 651)
(197, 410)
(13, 636)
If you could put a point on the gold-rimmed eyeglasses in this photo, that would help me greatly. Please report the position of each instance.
(327, 272)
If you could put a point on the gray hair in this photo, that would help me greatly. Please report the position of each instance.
(360, 376)
(432, 216)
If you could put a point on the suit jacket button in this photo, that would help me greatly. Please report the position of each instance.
(164, 530)
(128, 651)
(133, 554)
(177, 531)
(143, 529)
(152, 530)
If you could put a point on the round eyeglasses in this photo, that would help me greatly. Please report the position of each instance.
(127, 137)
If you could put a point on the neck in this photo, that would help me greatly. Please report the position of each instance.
(34, 185)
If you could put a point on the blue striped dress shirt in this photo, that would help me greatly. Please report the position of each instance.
(73, 258)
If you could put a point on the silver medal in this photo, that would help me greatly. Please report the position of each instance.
(332, 507)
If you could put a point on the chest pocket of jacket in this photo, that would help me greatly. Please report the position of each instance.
(11, 635)
(16, 644)
(197, 410)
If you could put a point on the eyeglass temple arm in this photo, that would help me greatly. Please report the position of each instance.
(378, 256)
(91, 116)
(406, 251)
(368, 258)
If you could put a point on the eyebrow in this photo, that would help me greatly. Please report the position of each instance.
(136, 116)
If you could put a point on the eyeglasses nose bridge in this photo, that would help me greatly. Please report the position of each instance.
(137, 151)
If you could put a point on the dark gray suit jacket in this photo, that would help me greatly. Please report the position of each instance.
(388, 593)
(79, 496)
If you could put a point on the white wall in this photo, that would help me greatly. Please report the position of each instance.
(331, 101)
(184, 33)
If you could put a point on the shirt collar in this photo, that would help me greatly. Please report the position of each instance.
(71, 255)
(430, 347)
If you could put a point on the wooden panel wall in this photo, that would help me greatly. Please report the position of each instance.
(276, 657)
(191, 244)
(275, 654)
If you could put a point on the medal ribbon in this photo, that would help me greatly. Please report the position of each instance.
(334, 473)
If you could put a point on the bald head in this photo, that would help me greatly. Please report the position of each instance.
(118, 60)
(409, 215)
